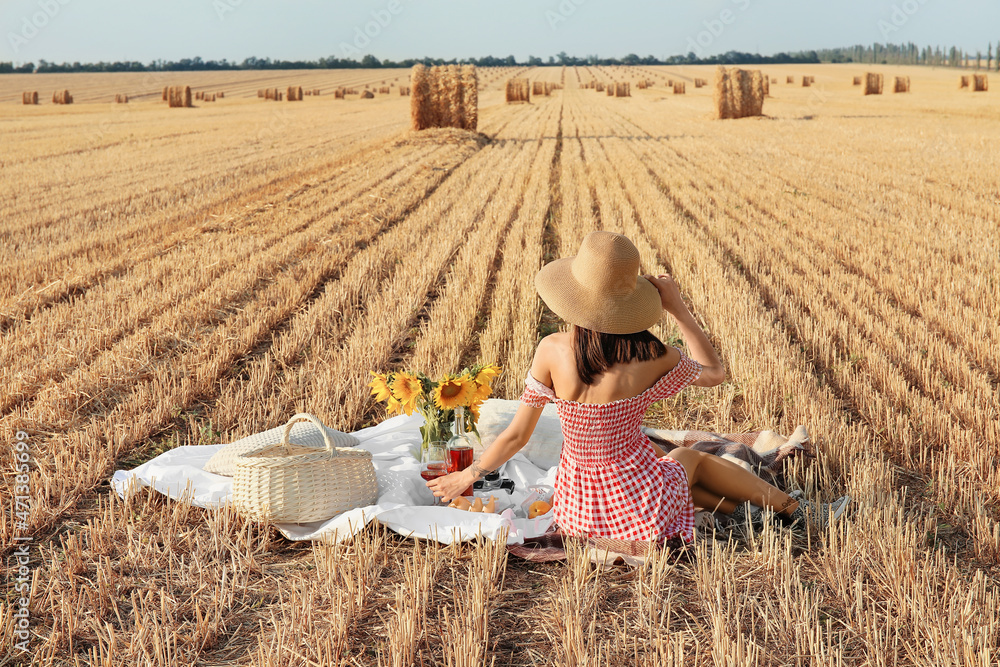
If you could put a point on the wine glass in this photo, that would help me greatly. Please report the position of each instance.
(434, 462)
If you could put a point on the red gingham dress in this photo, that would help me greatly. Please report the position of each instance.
(609, 482)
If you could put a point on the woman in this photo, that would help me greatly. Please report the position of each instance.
(603, 375)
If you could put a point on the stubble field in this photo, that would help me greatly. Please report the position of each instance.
(186, 276)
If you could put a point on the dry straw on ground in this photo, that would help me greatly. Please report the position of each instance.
(517, 90)
(739, 93)
(179, 96)
(873, 83)
(222, 309)
(29, 98)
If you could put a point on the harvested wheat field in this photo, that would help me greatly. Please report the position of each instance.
(176, 276)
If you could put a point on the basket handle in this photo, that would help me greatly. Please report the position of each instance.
(307, 417)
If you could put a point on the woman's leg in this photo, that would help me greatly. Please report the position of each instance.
(707, 500)
(725, 479)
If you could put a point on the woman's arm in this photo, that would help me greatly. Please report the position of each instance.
(713, 371)
(508, 443)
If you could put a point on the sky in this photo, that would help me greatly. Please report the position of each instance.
(145, 30)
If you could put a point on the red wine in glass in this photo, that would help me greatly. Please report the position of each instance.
(434, 470)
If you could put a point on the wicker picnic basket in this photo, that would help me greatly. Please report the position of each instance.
(290, 483)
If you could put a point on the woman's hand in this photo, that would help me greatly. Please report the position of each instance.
(670, 294)
(450, 486)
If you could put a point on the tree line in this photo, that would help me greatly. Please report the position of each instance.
(886, 54)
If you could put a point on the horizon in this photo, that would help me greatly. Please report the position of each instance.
(64, 31)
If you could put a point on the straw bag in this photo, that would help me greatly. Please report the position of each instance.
(290, 483)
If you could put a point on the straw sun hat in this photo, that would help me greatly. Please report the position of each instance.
(600, 288)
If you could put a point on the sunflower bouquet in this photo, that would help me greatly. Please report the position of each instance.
(405, 392)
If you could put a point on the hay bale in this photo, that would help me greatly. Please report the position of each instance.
(295, 93)
(738, 93)
(622, 90)
(767, 86)
(963, 82)
(901, 84)
(29, 98)
(404, 91)
(62, 97)
(700, 83)
(179, 96)
(979, 83)
(517, 90)
(221, 94)
(789, 79)
(680, 88)
(121, 99)
(599, 87)
(338, 94)
(166, 92)
(367, 95)
(857, 81)
(444, 96)
(873, 84)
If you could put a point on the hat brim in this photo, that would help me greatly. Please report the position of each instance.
(581, 305)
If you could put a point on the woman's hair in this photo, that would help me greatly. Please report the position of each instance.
(596, 352)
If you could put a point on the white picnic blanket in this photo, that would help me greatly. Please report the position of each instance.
(404, 502)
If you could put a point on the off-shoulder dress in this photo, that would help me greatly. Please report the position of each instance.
(610, 483)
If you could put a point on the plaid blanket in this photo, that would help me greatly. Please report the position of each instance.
(761, 452)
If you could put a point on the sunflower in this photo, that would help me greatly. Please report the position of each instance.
(454, 392)
(379, 386)
(392, 406)
(487, 373)
(483, 391)
(406, 389)
(474, 408)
